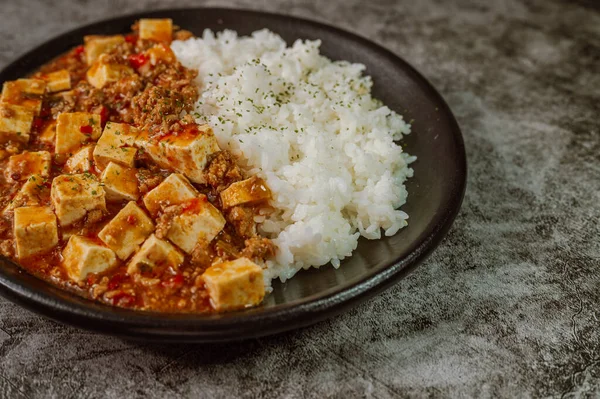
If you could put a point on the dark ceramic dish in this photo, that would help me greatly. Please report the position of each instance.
(435, 195)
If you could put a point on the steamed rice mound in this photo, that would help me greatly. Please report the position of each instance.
(311, 129)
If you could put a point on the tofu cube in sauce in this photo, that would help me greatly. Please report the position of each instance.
(25, 93)
(116, 145)
(160, 30)
(74, 130)
(35, 230)
(103, 72)
(155, 253)
(80, 161)
(185, 152)
(127, 230)
(57, 81)
(26, 164)
(83, 255)
(96, 45)
(174, 190)
(198, 221)
(73, 196)
(15, 123)
(235, 284)
(34, 191)
(120, 183)
(246, 191)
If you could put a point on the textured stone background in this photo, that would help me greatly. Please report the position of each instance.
(509, 303)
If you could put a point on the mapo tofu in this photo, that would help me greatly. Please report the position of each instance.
(111, 189)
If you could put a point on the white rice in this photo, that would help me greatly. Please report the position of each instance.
(311, 129)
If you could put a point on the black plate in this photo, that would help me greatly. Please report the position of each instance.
(435, 195)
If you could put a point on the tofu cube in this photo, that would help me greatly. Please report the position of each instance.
(159, 53)
(57, 81)
(35, 230)
(26, 164)
(246, 191)
(83, 255)
(34, 192)
(174, 190)
(199, 221)
(29, 87)
(120, 183)
(102, 72)
(81, 161)
(160, 30)
(75, 129)
(96, 45)
(185, 153)
(73, 196)
(234, 285)
(48, 133)
(116, 145)
(155, 253)
(15, 123)
(119, 135)
(26, 93)
(127, 230)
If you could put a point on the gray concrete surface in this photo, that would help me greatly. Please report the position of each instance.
(508, 306)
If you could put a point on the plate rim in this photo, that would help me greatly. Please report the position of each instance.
(242, 325)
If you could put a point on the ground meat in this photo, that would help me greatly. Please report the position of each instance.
(258, 248)
(94, 216)
(120, 53)
(180, 125)
(163, 223)
(226, 246)
(147, 180)
(88, 97)
(6, 112)
(173, 77)
(156, 107)
(90, 224)
(242, 219)
(176, 78)
(61, 102)
(201, 254)
(222, 170)
(5, 225)
(119, 94)
(7, 248)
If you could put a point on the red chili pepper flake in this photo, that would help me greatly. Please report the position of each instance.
(131, 220)
(45, 112)
(103, 115)
(191, 130)
(86, 129)
(191, 204)
(37, 123)
(178, 279)
(174, 282)
(79, 50)
(137, 60)
(131, 38)
(123, 299)
(115, 281)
